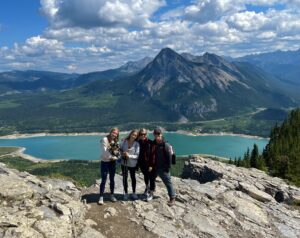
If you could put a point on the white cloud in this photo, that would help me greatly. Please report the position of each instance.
(211, 10)
(94, 35)
(72, 67)
(96, 13)
(248, 21)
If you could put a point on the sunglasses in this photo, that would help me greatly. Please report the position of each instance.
(157, 134)
(143, 134)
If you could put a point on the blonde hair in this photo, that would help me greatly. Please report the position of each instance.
(111, 130)
(143, 130)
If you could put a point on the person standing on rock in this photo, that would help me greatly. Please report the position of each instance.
(143, 160)
(160, 164)
(110, 153)
(130, 149)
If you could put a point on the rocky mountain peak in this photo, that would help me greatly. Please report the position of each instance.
(212, 58)
(166, 57)
(135, 66)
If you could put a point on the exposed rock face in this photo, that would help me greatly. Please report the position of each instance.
(30, 207)
(214, 200)
(228, 202)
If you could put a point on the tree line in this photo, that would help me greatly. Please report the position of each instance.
(281, 156)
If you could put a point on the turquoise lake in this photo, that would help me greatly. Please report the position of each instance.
(87, 147)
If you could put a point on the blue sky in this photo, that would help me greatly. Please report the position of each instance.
(92, 35)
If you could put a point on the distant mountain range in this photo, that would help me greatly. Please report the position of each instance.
(283, 64)
(170, 87)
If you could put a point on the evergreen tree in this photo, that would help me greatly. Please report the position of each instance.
(239, 162)
(254, 157)
(247, 158)
(282, 153)
(261, 163)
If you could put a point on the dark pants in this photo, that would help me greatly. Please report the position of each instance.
(149, 178)
(166, 178)
(107, 168)
(125, 178)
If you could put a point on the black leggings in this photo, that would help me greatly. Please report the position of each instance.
(125, 178)
(149, 177)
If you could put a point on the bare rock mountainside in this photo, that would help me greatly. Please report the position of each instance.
(213, 200)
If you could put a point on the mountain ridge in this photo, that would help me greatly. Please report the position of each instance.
(170, 88)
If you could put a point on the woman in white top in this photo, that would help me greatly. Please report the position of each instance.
(130, 149)
(110, 153)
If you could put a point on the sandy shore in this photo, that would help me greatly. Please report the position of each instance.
(17, 136)
(217, 134)
(20, 153)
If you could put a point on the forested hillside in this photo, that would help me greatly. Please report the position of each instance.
(281, 157)
(282, 154)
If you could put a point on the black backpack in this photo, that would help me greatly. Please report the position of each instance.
(173, 158)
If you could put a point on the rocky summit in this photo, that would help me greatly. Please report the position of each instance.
(213, 200)
(30, 207)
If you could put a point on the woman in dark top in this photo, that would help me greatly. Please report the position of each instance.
(143, 160)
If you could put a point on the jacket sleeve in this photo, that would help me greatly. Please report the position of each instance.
(151, 161)
(106, 155)
(136, 151)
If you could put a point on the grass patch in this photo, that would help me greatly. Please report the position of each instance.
(7, 104)
(105, 100)
(7, 150)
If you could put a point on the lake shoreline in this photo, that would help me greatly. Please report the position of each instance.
(20, 153)
(189, 133)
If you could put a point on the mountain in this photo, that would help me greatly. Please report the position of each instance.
(135, 66)
(283, 64)
(206, 86)
(31, 80)
(128, 69)
(34, 80)
(170, 88)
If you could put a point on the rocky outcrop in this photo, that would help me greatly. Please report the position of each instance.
(213, 200)
(222, 200)
(30, 207)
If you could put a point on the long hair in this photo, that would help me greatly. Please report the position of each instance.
(111, 130)
(133, 131)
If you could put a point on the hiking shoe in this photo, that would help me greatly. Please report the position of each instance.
(149, 197)
(146, 191)
(100, 201)
(171, 202)
(113, 198)
(125, 197)
(134, 196)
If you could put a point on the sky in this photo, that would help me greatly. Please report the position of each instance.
(80, 36)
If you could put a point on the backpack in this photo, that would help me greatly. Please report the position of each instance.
(173, 159)
(173, 155)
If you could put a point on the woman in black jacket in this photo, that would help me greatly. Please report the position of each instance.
(143, 160)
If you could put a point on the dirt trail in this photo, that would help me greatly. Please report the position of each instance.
(121, 224)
